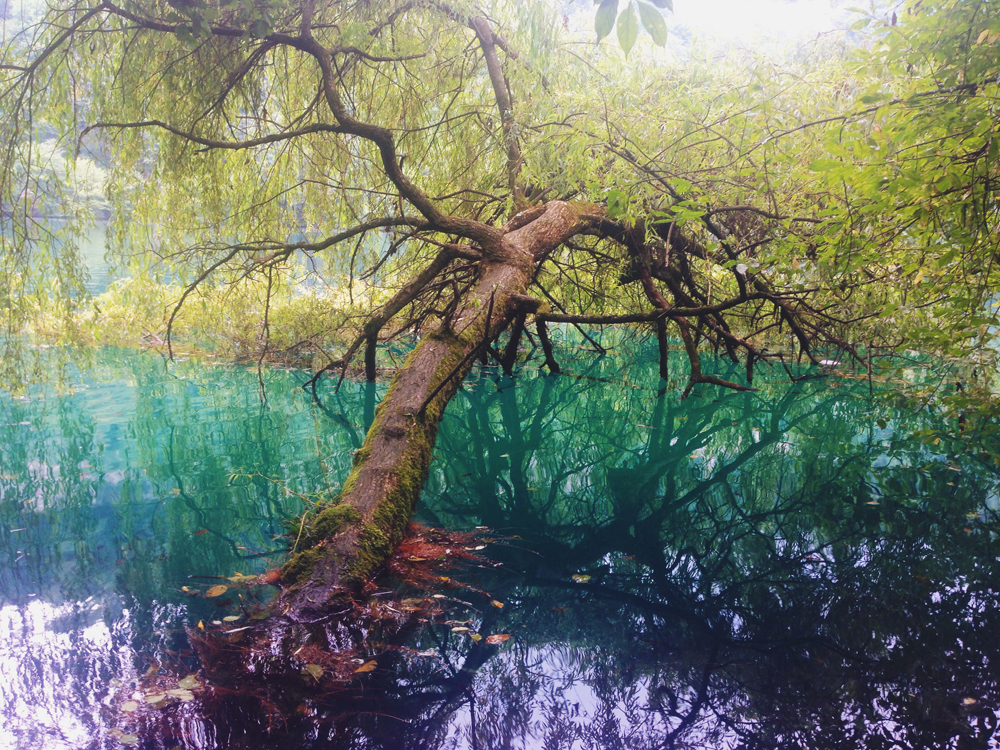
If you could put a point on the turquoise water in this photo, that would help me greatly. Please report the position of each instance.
(792, 567)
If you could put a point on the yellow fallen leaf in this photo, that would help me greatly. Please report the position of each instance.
(498, 605)
(581, 578)
(217, 590)
(368, 666)
(497, 638)
(129, 706)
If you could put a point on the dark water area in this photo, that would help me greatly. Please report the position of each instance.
(803, 566)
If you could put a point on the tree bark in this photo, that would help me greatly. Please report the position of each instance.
(343, 545)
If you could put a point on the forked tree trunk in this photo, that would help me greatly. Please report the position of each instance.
(345, 544)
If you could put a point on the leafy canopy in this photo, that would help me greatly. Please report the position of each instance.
(861, 181)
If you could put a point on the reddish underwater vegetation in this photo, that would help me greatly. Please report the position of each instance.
(276, 675)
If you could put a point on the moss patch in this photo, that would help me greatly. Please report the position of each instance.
(331, 521)
(300, 566)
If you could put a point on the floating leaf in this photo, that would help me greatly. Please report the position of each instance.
(156, 698)
(368, 666)
(315, 670)
(461, 629)
(476, 637)
(182, 695)
(129, 739)
(217, 590)
(188, 683)
(498, 605)
(429, 652)
(129, 706)
(201, 625)
(581, 578)
(969, 701)
(175, 491)
(232, 618)
(496, 638)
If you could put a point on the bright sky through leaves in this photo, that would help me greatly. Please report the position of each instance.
(744, 21)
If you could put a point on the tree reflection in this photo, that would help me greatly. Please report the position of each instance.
(757, 570)
(765, 570)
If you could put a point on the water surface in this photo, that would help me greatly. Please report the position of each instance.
(801, 566)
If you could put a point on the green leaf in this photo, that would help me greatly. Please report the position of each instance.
(260, 28)
(654, 24)
(605, 20)
(617, 203)
(628, 29)
(821, 165)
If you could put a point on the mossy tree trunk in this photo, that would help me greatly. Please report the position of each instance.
(343, 545)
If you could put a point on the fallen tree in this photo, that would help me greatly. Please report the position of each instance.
(523, 200)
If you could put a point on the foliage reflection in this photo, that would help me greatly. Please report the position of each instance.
(786, 568)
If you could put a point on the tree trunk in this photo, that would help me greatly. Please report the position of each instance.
(344, 544)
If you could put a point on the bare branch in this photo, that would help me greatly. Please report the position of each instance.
(211, 143)
(514, 158)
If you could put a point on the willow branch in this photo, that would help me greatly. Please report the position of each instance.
(211, 143)
(514, 158)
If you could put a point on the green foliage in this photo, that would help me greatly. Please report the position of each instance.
(628, 21)
(227, 320)
(862, 178)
